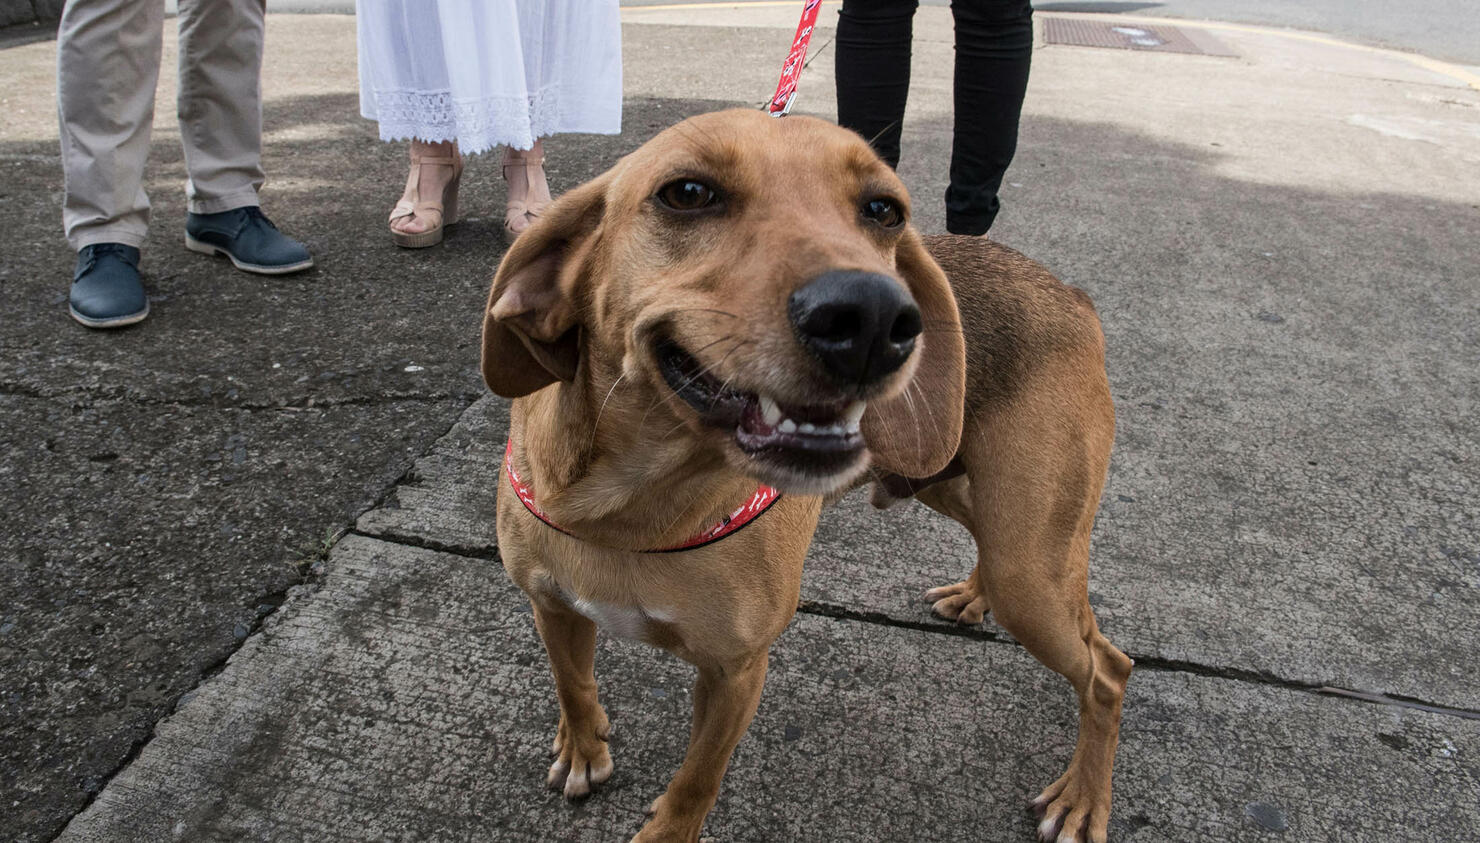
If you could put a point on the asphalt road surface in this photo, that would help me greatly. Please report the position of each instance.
(1443, 29)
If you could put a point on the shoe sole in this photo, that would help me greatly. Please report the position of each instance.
(207, 249)
(111, 322)
(422, 240)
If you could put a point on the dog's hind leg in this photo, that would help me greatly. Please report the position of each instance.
(1036, 463)
(580, 747)
(725, 700)
(966, 601)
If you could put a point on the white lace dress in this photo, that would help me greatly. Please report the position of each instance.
(490, 72)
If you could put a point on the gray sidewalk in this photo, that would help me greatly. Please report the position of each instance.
(1282, 245)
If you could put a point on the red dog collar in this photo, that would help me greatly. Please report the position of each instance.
(758, 503)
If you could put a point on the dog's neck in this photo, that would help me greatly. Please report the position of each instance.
(613, 465)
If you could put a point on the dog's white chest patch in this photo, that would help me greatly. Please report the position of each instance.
(621, 621)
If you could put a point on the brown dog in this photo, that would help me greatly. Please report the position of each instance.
(741, 301)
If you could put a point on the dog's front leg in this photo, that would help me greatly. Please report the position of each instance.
(725, 699)
(580, 748)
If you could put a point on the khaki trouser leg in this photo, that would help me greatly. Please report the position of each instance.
(220, 101)
(107, 67)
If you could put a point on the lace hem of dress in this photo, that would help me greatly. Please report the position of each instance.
(481, 124)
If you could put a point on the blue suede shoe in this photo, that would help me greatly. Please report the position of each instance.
(247, 237)
(106, 290)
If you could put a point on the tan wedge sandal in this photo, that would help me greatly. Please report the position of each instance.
(520, 210)
(412, 205)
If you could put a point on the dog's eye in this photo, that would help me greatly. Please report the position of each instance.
(687, 195)
(885, 212)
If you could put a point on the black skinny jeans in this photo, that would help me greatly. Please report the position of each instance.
(994, 46)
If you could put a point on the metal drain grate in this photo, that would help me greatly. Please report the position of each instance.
(1124, 36)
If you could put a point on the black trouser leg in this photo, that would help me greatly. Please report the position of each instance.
(994, 47)
(873, 70)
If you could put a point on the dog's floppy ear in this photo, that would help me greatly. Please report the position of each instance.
(531, 326)
(916, 433)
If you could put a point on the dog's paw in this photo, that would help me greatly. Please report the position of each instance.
(1071, 813)
(665, 822)
(581, 757)
(963, 602)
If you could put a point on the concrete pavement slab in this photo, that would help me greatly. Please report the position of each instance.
(407, 698)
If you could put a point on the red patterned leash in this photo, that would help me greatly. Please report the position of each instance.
(791, 72)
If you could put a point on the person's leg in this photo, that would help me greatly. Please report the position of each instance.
(220, 102)
(872, 68)
(220, 109)
(107, 67)
(994, 47)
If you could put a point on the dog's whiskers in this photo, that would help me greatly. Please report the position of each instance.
(934, 422)
(891, 125)
(597, 425)
(706, 369)
(909, 402)
(701, 373)
(726, 383)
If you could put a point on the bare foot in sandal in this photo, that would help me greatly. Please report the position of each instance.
(429, 203)
(529, 193)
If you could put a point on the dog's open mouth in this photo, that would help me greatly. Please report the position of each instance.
(816, 438)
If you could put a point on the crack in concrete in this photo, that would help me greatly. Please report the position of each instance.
(310, 573)
(1150, 662)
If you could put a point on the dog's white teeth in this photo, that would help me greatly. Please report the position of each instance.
(777, 420)
(770, 412)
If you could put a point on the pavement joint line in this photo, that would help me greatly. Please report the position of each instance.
(1159, 664)
(1142, 661)
(84, 399)
(489, 554)
(1444, 68)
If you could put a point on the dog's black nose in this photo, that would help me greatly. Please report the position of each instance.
(860, 325)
